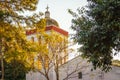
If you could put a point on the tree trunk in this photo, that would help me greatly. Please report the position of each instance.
(2, 61)
(57, 76)
(2, 66)
(46, 76)
(57, 72)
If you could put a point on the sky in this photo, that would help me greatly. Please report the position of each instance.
(59, 10)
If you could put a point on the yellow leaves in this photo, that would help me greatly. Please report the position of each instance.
(14, 51)
(16, 46)
(52, 40)
(10, 11)
(42, 49)
(56, 39)
(41, 25)
(4, 27)
(28, 4)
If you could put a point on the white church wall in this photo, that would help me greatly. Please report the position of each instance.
(70, 70)
(32, 35)
(114, 74)
(36, 75)
(87, 74)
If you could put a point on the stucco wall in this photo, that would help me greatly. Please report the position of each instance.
(70, 70)
(85, 68)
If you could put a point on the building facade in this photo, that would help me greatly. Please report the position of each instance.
(78, 69)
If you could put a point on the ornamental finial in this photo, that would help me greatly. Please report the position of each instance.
(47, 13)
(47, 7)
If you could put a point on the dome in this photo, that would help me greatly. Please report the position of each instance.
(52, 22)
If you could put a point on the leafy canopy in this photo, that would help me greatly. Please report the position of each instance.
(98, 31)
(10, 10)
(13, 43)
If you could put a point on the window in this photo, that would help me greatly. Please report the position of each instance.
(32, 39)
(80, 75)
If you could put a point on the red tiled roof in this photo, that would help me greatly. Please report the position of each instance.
(29, 32)
(59, 30)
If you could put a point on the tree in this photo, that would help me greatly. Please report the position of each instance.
(10, 10)
(98, 31)
(14, 47)
(53, 55)
(13, 44)
(15, 70)
(52, 51)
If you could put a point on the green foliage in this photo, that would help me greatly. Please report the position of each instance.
(15, 70)
(98, 31)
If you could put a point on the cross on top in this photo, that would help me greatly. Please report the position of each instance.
(47, 7)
